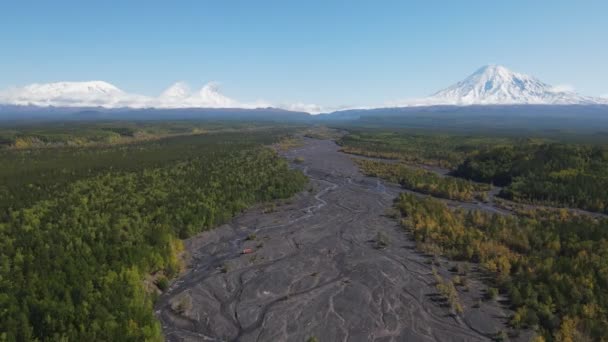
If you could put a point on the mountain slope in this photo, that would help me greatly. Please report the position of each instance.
(495, 84)
(178, 91)
(179, 95)
(85, 94)
(103, 94)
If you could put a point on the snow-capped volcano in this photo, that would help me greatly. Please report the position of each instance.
(91, 93)
(495, 84)
(178, 91)
(103, 94)
(210, 95)
(179, 95)
(75, 88)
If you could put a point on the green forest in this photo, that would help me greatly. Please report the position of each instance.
(429, 149)
(81, 228)
(565, 173)
(424, 181)
(557, 174)
(94, 133)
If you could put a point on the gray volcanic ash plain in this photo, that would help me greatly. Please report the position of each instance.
(316, 269)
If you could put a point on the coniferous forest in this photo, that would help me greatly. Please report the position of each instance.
(556, 174)
(544, 170)
(81, 228)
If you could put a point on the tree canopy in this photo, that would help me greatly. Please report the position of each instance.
(74, 251)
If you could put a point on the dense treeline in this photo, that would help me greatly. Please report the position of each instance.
(553, 266)
(557, 174)
(532, 170)
(29, 175)
(429, 149)
(73, 257)
(324, 133)
(61, 134)
(424, 181)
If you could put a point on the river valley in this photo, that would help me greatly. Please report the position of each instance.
(313, 267)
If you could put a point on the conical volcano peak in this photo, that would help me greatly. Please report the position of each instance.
(496, 84)
(177, 90)
(493, 69)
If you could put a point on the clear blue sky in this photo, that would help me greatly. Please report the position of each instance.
(324, 52)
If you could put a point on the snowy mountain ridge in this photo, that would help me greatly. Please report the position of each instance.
(103, 94)
(489, 85)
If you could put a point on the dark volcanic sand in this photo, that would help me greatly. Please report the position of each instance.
(316, 271)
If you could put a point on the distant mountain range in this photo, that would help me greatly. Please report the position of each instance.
(106, 95)
(490, 85)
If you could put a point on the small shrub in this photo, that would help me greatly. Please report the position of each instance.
(464, 282)
(182, 305)
(448, 291)
(436, 275)
(271, 208)
(162, 283)
(381, 241)
(463, 269)
(430, 248)
(391, 213)
(501, 336)
(492, 293)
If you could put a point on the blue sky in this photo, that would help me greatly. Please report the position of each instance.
(323, 52)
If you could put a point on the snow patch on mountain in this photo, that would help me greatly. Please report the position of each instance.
(71, 94)
(563, 88)
(179, 95)
(210, 95)
(497, 85)
(86, 94)
(103, 94)
(177, 91)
